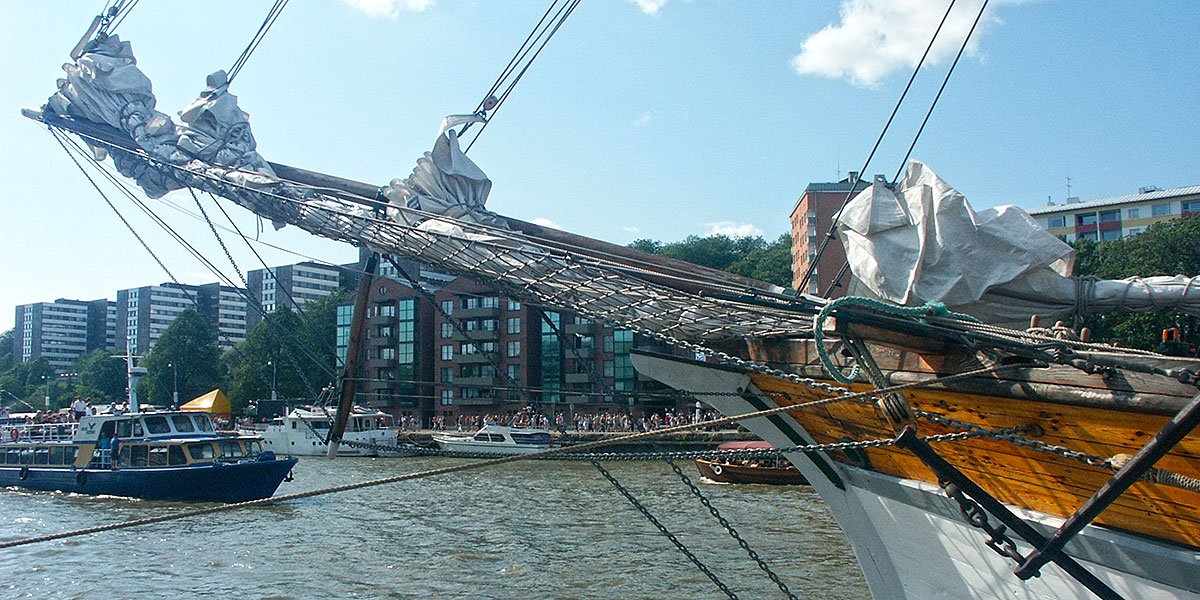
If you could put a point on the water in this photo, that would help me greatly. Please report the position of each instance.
(523, 530)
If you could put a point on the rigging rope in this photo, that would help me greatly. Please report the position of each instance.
(272, 15)
(812, 266)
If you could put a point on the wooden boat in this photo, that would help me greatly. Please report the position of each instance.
(770, 471)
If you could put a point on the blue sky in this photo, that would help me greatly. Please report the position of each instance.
(656, 118)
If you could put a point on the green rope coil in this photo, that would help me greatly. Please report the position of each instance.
(931, 309)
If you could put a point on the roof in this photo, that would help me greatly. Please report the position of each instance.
(839, 186)
(1115, 200)
(213, 402)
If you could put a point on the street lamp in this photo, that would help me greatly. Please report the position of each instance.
(174, 386)
(47, 380)
(272, 364)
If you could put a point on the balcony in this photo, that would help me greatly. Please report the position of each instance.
(577, 378)
(381, 340)
(578, 328)
(478, 357)
(475, 401)
(583, 352)
(475, 336)
(480, 381)
(471, 313)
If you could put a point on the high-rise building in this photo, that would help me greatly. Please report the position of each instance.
(811, 219)
(144, 313)
(292, 285)
(60, 331)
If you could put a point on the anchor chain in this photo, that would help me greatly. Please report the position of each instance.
(975, 516)
(1014, 437)
(666, 532)
(732, 532)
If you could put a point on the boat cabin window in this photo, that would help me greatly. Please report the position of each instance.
(497, 437)
(254, 447)
(41, 456)
(183, 424)
(158, 456)
(128, 428)
(201, 451)
(294, 424)
(56, 455)
(175, 456)
(156, 425)
(137, 455)
(231, 450)
(531, 438)
(202, 423)
(26, 456)
(14, 456)
(483, 437)
(69, 454)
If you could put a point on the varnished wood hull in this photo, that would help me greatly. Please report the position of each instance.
(729, 473)
(908, 534)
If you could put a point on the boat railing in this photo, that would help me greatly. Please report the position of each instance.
(39, 432)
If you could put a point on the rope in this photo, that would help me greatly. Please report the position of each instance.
(1157, 475)
(272, 14)
(932, 309)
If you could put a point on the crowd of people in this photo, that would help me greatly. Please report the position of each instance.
(563, 421)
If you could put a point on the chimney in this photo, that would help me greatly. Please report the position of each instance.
(852, 177)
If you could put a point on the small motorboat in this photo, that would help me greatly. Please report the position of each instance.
(773, 470)
(305, 431)
(498, 440)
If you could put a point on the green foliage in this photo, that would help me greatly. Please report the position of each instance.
(187, 356)
(1168, 248)
(28, 381)
(748, 256)
(7, 359)
(103, 374)
(296, 351)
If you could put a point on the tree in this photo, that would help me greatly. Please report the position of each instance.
(1168, 248)
(748, 256)
(295, 350)
(7, 359)
(28, 380)
(104, 373)
(190, 348)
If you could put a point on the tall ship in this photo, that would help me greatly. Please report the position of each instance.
(963, 456)
(161, 455)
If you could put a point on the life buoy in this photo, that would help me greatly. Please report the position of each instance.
(13, 434)
(716, 469)
(24, 474)
(81, 478)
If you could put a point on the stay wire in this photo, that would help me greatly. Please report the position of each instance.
(939, 93)
(812, 266)
(272, 15)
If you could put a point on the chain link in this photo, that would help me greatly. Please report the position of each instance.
(1014, 437)
(732, 532)
(666, 532)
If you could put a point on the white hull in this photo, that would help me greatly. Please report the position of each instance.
(468, 445)
(909, 537)
(497, 440)
(306, 443)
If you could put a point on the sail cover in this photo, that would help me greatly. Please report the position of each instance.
(922, 242)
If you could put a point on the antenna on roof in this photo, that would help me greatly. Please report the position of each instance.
(1068, 187)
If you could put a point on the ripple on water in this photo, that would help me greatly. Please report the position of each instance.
(521, 530)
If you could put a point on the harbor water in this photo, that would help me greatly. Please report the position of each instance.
(522, 530)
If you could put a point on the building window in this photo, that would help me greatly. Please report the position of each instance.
(1088, 235)
(514, 349)
(1132, 231)
(514, 324)
(447, 397)
(447, 375)
(387, 353)
(514, 372)
(1085, 219)
(489, 302)
(1110, 216)
(386, 310)
(1133, 213)
(1056, 222)
(1190, 206)
(514, 305)
(448, 307)
(467, 349)
(447, 330)
(1111, 234)
(1162, 210)
(448, 352)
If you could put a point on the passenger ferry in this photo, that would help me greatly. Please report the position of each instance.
(305, 431)
(497, 439)
(171, 455)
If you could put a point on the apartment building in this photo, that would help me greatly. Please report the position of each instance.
(62, 331)
(1106, 219)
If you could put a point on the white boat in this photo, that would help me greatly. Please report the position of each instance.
(497, 439)
(304, 431)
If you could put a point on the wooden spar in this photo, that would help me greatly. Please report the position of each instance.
(353, 354)
(672, 273)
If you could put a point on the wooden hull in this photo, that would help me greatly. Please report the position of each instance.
(909, 536)
(727, 473)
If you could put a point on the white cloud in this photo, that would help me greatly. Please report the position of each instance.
(642, 120)
(878, 37)
(650, 7)
(544, 222)
(731, 229)
(388, 9)
(634, 229)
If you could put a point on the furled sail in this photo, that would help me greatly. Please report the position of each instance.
(922, 242)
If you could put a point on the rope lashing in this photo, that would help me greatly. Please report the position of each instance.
(932, 309)
(1159, 476)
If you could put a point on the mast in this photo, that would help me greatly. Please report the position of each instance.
(353, 345)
